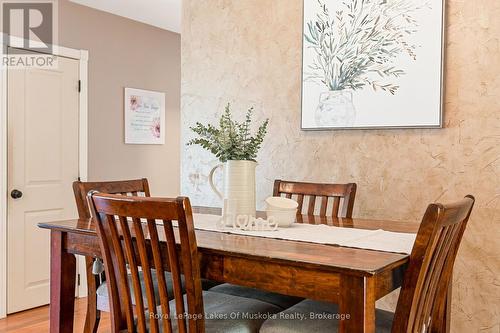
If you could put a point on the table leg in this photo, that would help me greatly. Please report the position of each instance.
(357, 299)
(62, 285)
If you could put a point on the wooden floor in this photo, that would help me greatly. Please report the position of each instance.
(37, 320)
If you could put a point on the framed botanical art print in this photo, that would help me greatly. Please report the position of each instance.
(144, 117)
(372, 64)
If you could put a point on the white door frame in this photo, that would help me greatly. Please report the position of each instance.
(82, 56)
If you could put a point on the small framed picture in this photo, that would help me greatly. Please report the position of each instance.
(144, 117)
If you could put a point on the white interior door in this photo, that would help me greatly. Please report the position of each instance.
(43, 108)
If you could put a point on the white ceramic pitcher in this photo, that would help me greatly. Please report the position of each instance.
(239, 187)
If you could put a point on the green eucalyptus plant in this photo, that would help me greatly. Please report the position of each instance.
(358, 43)
(231, 140)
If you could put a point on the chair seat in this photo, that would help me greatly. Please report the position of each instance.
(103, 296)
(313, 316)
(282, 301)
(227, 313)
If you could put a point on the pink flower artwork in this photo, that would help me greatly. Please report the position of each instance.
(135, 102)
(156, 128)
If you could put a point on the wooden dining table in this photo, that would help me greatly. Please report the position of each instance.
(351, 277)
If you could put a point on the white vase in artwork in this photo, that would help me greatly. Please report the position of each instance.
(238, 193)
(335, 109)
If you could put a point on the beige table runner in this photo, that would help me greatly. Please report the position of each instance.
(379, 240)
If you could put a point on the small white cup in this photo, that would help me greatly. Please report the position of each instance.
(283, 218)
(279, 203)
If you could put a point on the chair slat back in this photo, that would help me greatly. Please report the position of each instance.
(319, 193)
(125, 187)
(428, 277)
(133, 231)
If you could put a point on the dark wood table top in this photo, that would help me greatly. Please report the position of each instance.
(327, 257)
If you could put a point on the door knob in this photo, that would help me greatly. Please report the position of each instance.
(16, 194)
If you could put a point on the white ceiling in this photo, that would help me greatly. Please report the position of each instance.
(165, 14)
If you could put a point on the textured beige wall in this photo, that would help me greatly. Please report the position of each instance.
(249, 52)
(126, 53)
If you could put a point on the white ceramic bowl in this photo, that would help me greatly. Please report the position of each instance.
(284, 218)
(279, 203)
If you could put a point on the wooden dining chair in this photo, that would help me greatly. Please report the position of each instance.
(136, 234)
(98, 296)
(426, 290)
(97, 301)
(341, 197)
